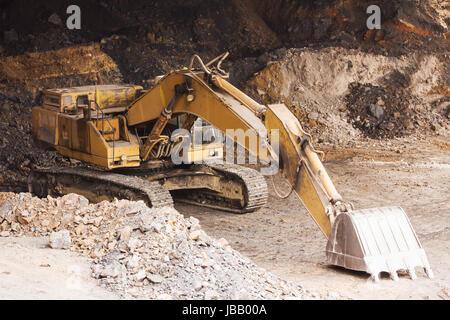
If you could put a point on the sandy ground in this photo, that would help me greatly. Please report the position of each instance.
(29, 269)
(283, 238)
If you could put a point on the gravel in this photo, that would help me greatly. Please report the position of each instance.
(144, 253)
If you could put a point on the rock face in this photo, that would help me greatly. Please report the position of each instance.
(10, 36)
(142, 252)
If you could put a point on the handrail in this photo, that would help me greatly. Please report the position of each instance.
(97, 108)
(217, 70)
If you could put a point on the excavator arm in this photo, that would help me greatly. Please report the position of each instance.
(373, 240)
(230, 110)
(301, 166)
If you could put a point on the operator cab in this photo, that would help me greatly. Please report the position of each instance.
(207, 141)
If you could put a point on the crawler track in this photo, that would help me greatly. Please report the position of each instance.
(98, 185)
(255, 186)
(216, 190)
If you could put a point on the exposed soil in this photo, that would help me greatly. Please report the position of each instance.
(332, 92)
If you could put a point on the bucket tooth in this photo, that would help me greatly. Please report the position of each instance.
(412, 273)
(429, 272)
(376, 240)
(375, 277)
(394, 275)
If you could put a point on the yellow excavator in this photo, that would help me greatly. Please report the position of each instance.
(129, 140)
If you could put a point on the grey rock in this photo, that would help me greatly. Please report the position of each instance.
(73, 200)
(194, 223)
(195, 235)
(7, 210)
(155, 278)
(197, 285)
(60, 240)
(5, 234)
(146, 220)
(113, 269)
(140, 276)
(198, 261)
(313, 116)
(376, 111)
(125, 233)
(157, 227)
(174, 262)
(207, 263)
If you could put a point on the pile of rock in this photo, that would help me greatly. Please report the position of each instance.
(380, 112)
(144, 253)
(24, 214)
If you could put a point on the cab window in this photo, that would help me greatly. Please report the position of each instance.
(82, 101)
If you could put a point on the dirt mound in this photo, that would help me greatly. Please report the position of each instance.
(377, 112)
(316, 85)
(75, 61)
(19, 154)
(142, 252)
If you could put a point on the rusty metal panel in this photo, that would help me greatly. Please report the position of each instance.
(109, 128)
(64, 132)
(80, 135)
(108, 96)
(116, 96)
(45, 125)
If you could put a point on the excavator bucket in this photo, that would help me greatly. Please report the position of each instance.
(376, 240)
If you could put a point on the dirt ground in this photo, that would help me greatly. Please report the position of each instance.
(30, 270)
(283, 239)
